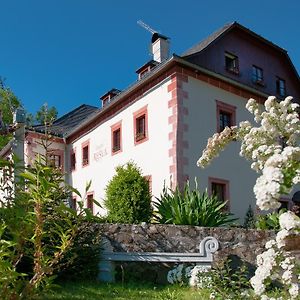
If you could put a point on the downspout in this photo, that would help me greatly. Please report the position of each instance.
(67, 168)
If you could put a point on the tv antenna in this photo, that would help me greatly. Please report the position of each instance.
(146, 26)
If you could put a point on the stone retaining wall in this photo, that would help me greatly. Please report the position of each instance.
(244, 243)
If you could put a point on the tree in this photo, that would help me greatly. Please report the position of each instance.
(128, 198)
(46, 115)
(8, 104)
(37, 229)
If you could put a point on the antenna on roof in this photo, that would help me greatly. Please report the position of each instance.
(147, 27)
(159, 43)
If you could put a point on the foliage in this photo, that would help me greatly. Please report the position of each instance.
(249, 221)
(36, 229)
(128, 198)
(229, 282)
(273, 148)
(82, 259)
(223, 280)
(8, 104)
(46, 115)
(190, 207)
(269, 221)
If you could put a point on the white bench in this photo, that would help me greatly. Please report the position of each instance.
(207, 247)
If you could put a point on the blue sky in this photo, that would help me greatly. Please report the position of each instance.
(70, 52)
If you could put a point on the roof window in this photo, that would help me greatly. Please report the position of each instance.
(231, 63)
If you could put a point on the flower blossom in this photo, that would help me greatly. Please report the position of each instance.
(289, 221)
(273, 148)
(215, 145)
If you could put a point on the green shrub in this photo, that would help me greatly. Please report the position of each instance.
(37, 228)
(128, 199)
(190, 208)
(230, 280)
(249, 222)
(82, 259)
(269, 221)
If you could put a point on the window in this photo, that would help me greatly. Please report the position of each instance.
(220, 189)
(143, 73)
(257, 75)
(73, 160)
(280, 87)
(140, 119)
(90, 203)
(85, 153)
(140, 132)
(225, 115)
(54, 160)
(116, 138)
(105, 101)
(225, 120)
(231, 63)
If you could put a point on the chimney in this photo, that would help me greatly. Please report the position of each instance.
(160, 47)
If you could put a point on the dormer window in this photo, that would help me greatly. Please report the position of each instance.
(105, 101)
(146, 68)
(280, 87)
(143, 73)
(108, 97)
(231, 63)
(257, 75)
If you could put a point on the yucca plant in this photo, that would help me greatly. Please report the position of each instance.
(190, 207)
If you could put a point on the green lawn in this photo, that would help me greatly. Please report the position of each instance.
(96, 290)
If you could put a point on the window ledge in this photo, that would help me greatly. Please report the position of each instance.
(233, 71)
(259, 83)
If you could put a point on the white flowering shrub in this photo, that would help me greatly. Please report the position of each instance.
(195, 276)
(273, 148)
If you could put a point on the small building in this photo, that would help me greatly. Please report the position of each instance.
(163, 120)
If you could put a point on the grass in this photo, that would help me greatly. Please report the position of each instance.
(90, 290)
(128, 291)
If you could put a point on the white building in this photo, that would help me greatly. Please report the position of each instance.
(162, 121)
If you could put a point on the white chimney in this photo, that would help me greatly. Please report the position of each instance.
(160, 47)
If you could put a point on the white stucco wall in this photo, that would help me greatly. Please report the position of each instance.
(202, 120)
(35, 145)
(151, 156)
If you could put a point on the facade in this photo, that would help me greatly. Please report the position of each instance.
(162, 121)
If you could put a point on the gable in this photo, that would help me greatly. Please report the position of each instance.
(251, 51)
